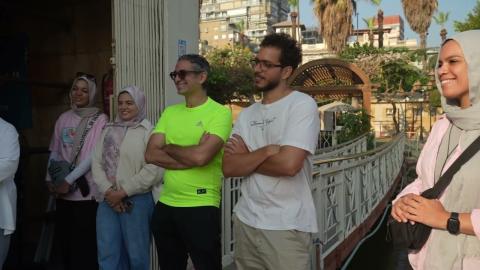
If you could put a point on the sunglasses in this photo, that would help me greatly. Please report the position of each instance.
(86, 75)
(183, 73)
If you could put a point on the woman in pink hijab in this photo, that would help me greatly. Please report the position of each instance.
(126, 182)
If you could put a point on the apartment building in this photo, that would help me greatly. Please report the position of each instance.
(227, 22)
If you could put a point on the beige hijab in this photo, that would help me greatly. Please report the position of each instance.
(446, 251)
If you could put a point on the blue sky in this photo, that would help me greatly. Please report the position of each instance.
(458, 12)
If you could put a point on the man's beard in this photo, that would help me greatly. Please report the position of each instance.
(270, 86)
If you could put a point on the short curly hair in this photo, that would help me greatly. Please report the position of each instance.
(290, 52)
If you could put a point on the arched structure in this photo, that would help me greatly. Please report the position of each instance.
(332, 77)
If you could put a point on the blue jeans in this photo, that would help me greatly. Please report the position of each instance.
(123, 239)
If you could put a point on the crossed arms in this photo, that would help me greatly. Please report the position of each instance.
(271, 160)
(176, 157)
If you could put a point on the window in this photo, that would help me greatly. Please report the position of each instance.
(389, 111)
(215, 37)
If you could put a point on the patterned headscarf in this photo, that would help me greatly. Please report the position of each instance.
(117, 130)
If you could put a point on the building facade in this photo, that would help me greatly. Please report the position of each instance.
(223, 22)
(393, 33)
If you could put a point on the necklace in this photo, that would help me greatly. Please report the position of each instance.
(449, 151)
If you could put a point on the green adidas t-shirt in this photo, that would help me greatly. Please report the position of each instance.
(198, 186)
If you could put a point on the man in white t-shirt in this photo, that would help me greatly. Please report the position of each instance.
(9, 157)
(271, 146)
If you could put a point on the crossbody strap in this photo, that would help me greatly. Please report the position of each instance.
(447, 177)
(90, 124)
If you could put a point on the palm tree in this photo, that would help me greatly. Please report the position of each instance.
(379, 21)
(441, 19)
(370, 22)
(419, 16)
(335, 18)
(293, 15)
(243, 39)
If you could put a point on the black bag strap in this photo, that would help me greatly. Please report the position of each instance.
(446, 178)
(90, 124)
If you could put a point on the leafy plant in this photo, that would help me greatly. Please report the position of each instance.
(471, 22)
(354, 125)
(231, 76)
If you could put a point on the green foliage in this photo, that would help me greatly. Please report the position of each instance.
(376, 3)
(294, 3)
(231, 76)
(400, 75)
(441, 18)
(354, 125)
(472, 21)
(434, 98)
(354, 52)
(392, 68)
(370, 22)
(432, 61)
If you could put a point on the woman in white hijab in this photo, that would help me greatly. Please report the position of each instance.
(455, 218)
(75, 135)
(126, 181)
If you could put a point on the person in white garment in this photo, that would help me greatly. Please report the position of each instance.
(9, 157)
(271, 146)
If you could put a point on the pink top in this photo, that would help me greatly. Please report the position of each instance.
(62, 144)
(425, 171)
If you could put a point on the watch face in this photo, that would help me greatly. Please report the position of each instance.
(453, 225)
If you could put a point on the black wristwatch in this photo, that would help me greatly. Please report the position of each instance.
(453, 224)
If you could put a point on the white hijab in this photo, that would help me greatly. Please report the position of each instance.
(444, 250)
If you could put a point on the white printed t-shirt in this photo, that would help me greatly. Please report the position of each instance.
(279, 203)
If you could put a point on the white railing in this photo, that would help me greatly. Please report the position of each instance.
(355, 146)
(326, 139)
(345, 195)
(230, 196)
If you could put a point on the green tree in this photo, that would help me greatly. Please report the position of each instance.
(335, 18)
(370, 22)
(472, 21)
(243, 39)
(354, 125)
(399, 76)
(377, 3)
(231, 76)
(392, 69)
(294, 4)
(419, 16)
(441, 19)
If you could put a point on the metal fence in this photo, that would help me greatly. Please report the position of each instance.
(344, 194)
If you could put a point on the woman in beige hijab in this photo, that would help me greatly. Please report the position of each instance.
(455, 218)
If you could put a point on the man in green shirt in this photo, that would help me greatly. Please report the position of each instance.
(187, 142)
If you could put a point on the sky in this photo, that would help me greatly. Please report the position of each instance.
(458, 12)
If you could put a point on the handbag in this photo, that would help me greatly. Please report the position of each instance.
(59, 169)
(406, 235)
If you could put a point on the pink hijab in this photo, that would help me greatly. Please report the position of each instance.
(117, 130)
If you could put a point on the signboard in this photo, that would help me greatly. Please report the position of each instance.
(182, 47)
